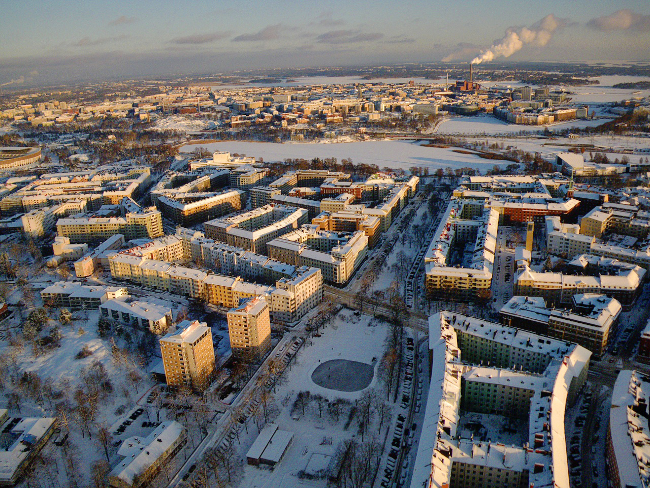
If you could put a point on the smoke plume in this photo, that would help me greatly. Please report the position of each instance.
(537, 34)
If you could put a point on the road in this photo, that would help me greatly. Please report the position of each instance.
(415, 276)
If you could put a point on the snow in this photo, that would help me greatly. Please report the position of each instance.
(391, 154)
(180, 123)
(316, 439)
(488, 124)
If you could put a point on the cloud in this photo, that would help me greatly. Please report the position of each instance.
(123, 19)
(463, 51)
(201, 38)
(87, 41)
(269, 33)
(326, 19)
(347, 37)
(400, 40)
(621, 20)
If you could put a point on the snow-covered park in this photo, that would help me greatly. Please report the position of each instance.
(324, 418)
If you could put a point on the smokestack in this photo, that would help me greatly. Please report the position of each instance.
(471, 73)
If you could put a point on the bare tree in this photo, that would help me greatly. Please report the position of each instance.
(99, 473)
(105, 440)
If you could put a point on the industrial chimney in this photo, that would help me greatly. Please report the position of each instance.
(471, 74)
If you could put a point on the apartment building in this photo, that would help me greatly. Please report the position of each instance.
(144, 314)
(297, 289)
(87, 264)
(624, 284)
(82, 228)
(627, 431)
(88, 190)
(295, 296)
(263, 195)
(39, 222)
(618, 218)
(25, 436)
(307, 177)
(465, 223)
(76, 296)
(499, 392)
(589, 321)
(252, 230)
(141, 461)
(530, 380)
(348, 221)
(249, 329)
(246, 177)
(194, 208)
(188, 355)
(337, 255)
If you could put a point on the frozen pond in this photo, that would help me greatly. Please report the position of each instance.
(390, 154)
(343, 375)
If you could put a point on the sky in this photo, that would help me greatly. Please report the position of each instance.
(60, 41)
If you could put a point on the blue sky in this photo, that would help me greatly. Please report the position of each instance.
(64, 40)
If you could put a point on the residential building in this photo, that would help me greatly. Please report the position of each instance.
(25, 437)
(249, 329)
(338, 255)
(347, 221)
(627, 432)
(589, 321)
(530, 380)
(82, 228)
(470, 224)
(76, 296)
(188, 355)
(252, 230)
(622, 282)
(194, 208)
(156, 316)
(98, 257)
(141, 458)
(618, 218)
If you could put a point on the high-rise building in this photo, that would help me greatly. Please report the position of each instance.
(249, 328)
(188, 355)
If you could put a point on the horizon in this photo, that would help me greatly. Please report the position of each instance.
(67, 43)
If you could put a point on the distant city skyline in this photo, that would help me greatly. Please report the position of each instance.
(66, 41)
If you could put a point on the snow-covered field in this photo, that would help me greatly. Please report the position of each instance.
(181, 123)
(391, 154)
(316, 437)
(487, 124)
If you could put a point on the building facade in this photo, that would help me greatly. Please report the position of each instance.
(188, 355)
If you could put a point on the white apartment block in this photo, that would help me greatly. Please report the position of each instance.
(155, 316)
(531, 377)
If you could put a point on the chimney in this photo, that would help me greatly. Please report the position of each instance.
(471, 74)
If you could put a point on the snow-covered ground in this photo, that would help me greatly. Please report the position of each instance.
(391, 154)
(181, 123)
(316, 437)
(488, 124)
(63, 373)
